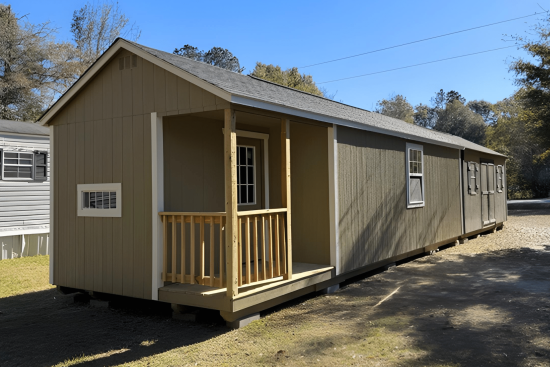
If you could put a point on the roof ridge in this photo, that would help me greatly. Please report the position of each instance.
(248, 75)
(186, 58)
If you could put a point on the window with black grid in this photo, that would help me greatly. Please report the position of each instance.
(18, 165)
(246, 185)
(99, 200)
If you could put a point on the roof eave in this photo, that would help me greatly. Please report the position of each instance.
(250, 102)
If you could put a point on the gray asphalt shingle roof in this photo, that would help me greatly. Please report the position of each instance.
(258, 89)
(20, 127)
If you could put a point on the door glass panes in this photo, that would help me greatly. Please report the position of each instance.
(246, 188)
(99, 200)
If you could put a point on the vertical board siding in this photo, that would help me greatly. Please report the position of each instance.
(193, 165)
(310, 193)
(108, 133)
(105, 137)
(375, 223)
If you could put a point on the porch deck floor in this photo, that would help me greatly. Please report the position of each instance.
(304, 275)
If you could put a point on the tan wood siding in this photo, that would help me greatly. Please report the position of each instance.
(374, 222)
(193, 165)
(310, 194)
(104, 136)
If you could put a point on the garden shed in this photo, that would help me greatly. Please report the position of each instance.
(178, 181)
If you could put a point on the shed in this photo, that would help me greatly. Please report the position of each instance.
(178, 181)
(24, 189)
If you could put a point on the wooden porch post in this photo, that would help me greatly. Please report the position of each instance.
(231, 227)
(285, 186)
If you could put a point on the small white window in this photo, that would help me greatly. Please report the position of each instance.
(246, 175)
(99, 200)
(415, 176)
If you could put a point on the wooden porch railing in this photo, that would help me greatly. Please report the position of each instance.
(194, 250)
(263, 244)
(181, 233)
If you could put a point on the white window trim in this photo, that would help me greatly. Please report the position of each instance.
(253, 172)
(415, 204)
(265, 138)
(108, 213)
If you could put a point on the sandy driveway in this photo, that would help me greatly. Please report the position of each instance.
(483, 303)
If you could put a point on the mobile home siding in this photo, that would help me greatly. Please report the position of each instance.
(24, 204)
(374, 222)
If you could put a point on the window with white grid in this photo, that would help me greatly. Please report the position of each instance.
(246, 175)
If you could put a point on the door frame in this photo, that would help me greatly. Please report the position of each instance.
(265, 150)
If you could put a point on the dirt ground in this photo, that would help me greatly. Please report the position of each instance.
(483, 303)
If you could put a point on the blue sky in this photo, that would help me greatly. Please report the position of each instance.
(292, 33)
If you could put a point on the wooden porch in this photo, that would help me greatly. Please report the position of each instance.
(252, 297)
(218, 259)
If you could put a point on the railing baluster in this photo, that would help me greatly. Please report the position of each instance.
(222, 258)
(283, 240)
(277, 249)
(165, 245)
(211, 251)
(174, 248)
(271, 255)
(240, 251)
(256, 277)
(202, 265)
(182, 249)
(192, 249)
(264, 275)
(247, 252)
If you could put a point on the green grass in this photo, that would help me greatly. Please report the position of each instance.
(24, 275)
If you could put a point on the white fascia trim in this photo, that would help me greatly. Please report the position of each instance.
(21, 231)
(106, 57)
(250, 102)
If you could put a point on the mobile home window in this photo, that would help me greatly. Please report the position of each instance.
(99, 200)
(246, 187)
(17, 165)
(415, 176)
(41, 166)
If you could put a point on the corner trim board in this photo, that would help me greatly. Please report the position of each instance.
(333, 198)
(157, 196)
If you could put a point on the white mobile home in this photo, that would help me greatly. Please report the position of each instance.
(24, 189)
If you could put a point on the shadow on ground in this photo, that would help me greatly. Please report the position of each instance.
(41, 329)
